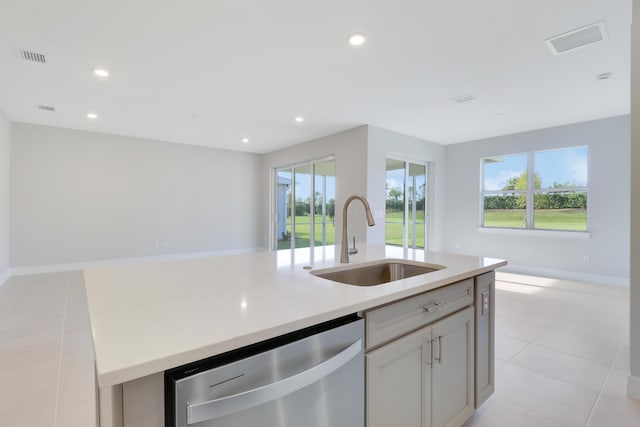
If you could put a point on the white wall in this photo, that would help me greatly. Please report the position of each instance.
(349, 148)
(608, 204)
(361, 169)
(634, 379)
(382, 144)
(5, 155)
(80, 196)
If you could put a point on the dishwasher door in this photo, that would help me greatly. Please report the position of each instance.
(313, 377)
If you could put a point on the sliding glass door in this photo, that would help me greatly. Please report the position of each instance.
(406, 216)
(305, 205)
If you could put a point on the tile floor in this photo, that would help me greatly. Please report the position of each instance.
(46, 354)
(562, 354)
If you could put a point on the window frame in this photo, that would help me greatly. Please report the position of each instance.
(428, 211)
(273, 238)
(531, 192)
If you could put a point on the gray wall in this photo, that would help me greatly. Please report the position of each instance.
(349, 148)
(5, 150)
(382, 144)
(81, 196)
(608, 213)
(634, 379)
(360, 169)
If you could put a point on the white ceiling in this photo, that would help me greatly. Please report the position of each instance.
(210, 72)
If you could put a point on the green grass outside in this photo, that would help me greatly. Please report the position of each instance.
(393, 231)
(303, 233)
(547, 219)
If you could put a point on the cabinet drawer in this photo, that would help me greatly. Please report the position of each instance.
(396, 319)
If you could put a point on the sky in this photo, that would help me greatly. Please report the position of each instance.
(568, 165)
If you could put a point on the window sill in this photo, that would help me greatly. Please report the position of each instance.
(537, 233)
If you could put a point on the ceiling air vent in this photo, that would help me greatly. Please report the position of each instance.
(463, 98)
(577, 38)
(46, 108)
(27, 55)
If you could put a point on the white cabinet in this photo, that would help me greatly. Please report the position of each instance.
(485, 291)
(425, 378)
(452, 383)
(399, 381)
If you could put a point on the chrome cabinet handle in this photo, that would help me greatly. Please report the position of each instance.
(220, 407)
(439, 358)
(430, 358)
(432, 307)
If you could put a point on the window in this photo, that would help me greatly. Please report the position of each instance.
(543, 190)
(305, 205)
(406, 213)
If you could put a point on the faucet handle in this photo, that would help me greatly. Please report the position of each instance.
(353, 250)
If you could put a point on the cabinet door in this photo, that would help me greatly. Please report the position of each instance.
(453, 369)
(485, 287)
(399, 382)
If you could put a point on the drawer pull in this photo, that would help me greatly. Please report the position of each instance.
(439, 358)
(432, 307)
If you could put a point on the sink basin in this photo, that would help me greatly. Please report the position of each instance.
(377, 272)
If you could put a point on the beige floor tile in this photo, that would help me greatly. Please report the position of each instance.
(31, 353)
(507, 347)
(29, 389)
(525, 330)
(554, 399)
(77, 324)
(618, 412)
(597, 349)
(498, 364)
(17, 335)
(622, 359)
(606, 325)
(616, 384)
(499, 412)
(562, 366)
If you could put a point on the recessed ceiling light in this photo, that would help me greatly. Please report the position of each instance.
(299, 119)
(463, 98)
(100, 72)
(499, 116)
(245, 140)
(92, 116)
(357, 39)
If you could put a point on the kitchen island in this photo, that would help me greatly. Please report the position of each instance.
(148, 318)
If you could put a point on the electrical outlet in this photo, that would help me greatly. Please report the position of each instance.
(156, 244)
(586, 259)
(485, 302)
(165, 244)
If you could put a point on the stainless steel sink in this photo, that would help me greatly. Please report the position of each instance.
(377, 272)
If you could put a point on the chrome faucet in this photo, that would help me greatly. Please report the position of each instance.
(344, 255)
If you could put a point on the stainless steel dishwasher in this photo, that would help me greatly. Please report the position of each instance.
(312, 378)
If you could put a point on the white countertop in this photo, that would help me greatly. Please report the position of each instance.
(147, 318)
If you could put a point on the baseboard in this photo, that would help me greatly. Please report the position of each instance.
(56, 268)
(633, 387)
(567, 275)
(5, 276)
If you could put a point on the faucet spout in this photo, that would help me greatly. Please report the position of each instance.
(344, 253)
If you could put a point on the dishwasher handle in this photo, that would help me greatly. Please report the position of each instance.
(220, 407)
